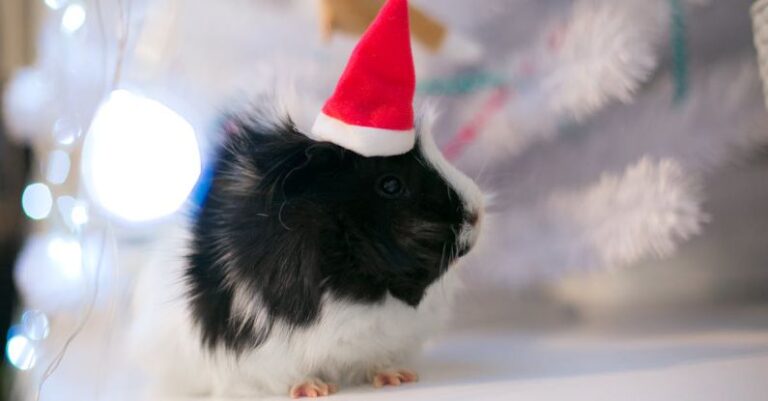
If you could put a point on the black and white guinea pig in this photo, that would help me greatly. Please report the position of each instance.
(308, 266)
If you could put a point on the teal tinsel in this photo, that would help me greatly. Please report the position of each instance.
(679, 50)
(460, 84)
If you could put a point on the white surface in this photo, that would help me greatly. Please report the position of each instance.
(713, 359)
(692, 327)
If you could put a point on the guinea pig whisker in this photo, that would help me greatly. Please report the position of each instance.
(480, 175)
(280, 216)
(443, 265)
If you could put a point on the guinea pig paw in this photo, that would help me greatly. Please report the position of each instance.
(313, 388)
(394, 377)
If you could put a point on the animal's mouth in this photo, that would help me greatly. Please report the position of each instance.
(468, 234)
(463, 250)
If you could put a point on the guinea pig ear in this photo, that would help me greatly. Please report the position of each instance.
(324, 155)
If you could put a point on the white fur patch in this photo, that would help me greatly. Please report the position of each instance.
(472, 197)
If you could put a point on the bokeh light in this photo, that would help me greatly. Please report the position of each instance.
(66, 131)
(140, 158)
(79, 215)
(74, 212)
(35, 325)
(73, 18)
(20, 352)
(55, 4)
(67, 256)
(36, 201)
(58, 167)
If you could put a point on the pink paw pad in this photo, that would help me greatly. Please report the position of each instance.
(394, 377)
(313, 388)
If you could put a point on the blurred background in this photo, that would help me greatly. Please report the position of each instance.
(625, 145)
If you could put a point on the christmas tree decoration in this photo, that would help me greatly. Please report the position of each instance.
(670, 175)
(21, 352)
(607, 49)
(35, 325)
(73, 18)
(36, 201)
(354, 16)
(27, 105)
(678, 42)
(652, 206)
(621, 218)
(597, 53)
(58, 167)
(140, 159)
(55, 4)
(469, 133)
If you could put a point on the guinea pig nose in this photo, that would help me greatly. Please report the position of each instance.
(463, 250)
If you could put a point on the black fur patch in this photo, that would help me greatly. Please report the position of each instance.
(288, 219)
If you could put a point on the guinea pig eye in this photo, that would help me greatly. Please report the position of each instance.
(390, 186)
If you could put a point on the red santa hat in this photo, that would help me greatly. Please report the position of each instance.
(371, 110)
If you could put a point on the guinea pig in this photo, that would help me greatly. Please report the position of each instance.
(308, 266)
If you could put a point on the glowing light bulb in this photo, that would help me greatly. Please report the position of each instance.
(35, 325)
(36, 201)
(74, 212)
(73, 18)
(66, 131)
(79, 215)
(140, 158)
(55, 4)
(54, 271)
(58, 167)
(20, 352)
(67, 256)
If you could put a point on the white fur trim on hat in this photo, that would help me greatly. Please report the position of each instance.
(366, 141)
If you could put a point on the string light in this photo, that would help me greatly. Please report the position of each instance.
(20, 348)
(140, 158)
(36, 201)
(52, 267)
(35, 325)
(21, 352)
(73, 18)
(74, 212)
(79, 215)
(58, 167)
(67, 255)
(55, 4)
(66, 131)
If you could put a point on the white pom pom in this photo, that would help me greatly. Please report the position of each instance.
(647, 210)
(608, 50)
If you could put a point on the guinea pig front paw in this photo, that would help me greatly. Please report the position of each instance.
(313, 388)
(393, 377)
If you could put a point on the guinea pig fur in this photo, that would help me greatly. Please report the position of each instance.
(306, 267)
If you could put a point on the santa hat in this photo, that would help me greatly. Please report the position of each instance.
(371, 110)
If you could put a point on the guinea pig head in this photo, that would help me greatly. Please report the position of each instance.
(382, 224)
